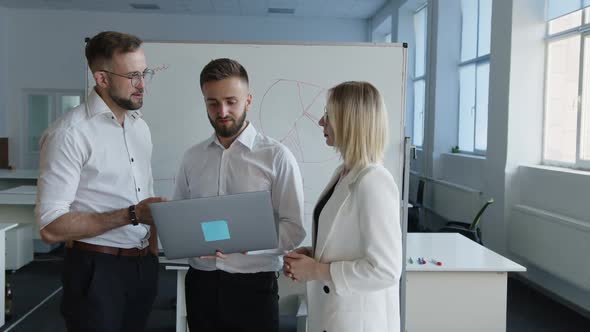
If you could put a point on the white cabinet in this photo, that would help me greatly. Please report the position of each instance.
(19, 246)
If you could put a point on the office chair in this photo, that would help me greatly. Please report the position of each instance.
(415, 211)
(470, 230)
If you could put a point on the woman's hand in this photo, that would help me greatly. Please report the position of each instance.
(300, 267)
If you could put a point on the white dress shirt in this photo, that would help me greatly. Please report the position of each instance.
(253, 162)
(90, 163)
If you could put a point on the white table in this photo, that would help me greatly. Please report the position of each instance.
(22, 195)
(3, 228)
(14, 178)
(181, 266)
(466, 293)
(181, 270)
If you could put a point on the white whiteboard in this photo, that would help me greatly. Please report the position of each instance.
(288, 83)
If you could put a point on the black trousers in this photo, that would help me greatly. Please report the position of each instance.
(217, 301)
(108, 293)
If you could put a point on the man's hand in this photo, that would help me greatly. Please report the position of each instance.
(143, 212)
(307, 251)
(219, 254)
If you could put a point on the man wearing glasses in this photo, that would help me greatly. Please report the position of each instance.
(94, 188)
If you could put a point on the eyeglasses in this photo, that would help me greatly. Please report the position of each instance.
(136, 77)
(325, 114)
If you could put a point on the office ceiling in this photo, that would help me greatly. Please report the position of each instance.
(357, 9)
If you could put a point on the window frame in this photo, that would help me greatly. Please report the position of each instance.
(476, 61)
(54, 113)
(583, 30)
(423, 77)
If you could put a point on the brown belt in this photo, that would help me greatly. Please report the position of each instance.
(108, 250)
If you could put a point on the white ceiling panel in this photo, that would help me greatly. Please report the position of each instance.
(359, 9)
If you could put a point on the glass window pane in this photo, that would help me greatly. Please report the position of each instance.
(420, 36)
(585, 127)
(561, 114)
(466, 107)
(468, 29)
(565, 22)
(419, 93)
(485, 27)
(587, 15)
(481, 106)
(67, 103)
(557, 8)
(38, 118)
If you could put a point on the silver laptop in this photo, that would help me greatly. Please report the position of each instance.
(231, 223)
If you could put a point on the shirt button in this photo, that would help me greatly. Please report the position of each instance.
(326, 289)
(138, 189)
(112, 117)
(132, 160)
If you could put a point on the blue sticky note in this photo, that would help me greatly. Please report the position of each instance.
(215, 230)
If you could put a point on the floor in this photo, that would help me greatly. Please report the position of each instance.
(37, 292)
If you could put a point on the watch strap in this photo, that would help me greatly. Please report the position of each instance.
(132, 215)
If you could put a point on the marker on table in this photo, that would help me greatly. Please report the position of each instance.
(411, 261)
(435, 262)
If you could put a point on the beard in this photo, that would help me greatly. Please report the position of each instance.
(232, 129)
(125, 103)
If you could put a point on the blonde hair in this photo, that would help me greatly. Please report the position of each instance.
(358, 117)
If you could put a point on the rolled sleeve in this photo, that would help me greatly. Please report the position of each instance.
(61, 161)
(287, 198)
(181, 188)
(379, 213)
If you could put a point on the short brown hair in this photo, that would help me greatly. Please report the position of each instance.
(357, 115)
(101, 48)
(220, 69)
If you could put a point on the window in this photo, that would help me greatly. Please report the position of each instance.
(474, 71)
(42, 107)
(419, 84)
(566, 132)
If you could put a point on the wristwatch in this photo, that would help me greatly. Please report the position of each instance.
(132, 216)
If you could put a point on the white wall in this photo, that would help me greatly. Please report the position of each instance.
(494, 221)
(548, 221)
(387, 12)
(540, 217)
(46, 46)
(444, 98)
(522, 125)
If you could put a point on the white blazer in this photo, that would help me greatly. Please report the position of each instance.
(359, 234)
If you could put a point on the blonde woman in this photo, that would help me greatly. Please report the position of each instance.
(353, 268)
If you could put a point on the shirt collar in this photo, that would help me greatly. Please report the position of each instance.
(246, 138)
(96, 106)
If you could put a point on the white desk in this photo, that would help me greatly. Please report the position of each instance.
(18, 205)
(466, 293)
(181, 270)
(3, 228)
(23, 195)
(14, 178)
(19, 174)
